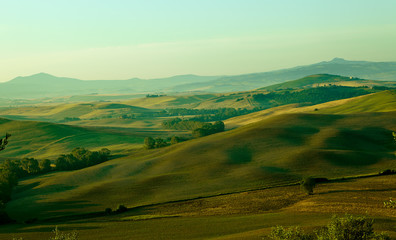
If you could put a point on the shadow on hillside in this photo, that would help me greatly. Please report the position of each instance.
(356, 191)
(240, 155)
(43, 227)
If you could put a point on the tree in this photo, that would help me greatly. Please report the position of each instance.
(159, 142)
(45, 165)
(30, 165)
(4, 141)
(308, 184)
(175, 139)
(105, 153)
(219, 126)
(61, 163)
(149, 142)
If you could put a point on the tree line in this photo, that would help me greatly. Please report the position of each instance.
(206, 115)
(158, 142)
(199, 129)
(81, 158)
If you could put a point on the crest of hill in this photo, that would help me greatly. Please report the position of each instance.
(274, 151)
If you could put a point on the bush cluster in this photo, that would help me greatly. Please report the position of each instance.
(208, 129)
(346, 228)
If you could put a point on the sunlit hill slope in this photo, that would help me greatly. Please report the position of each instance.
(274, 151)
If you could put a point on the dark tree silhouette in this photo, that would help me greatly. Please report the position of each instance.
(4, 141)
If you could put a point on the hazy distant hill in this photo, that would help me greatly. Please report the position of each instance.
(45, 85)
(385, 71)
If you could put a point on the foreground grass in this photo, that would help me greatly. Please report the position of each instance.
(245, 215)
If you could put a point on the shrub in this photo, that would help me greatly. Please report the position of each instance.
(149, 143)
(308, 184)
(292, 233)
(64, 236)
(121, 209)
(390, 203)
(108, 211)
(346, 228)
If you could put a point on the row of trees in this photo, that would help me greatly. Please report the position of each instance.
(206, 115)
(180, 124)
(208, 129)
(81, 158)
(150, 143)
(200, 129)
(12, 170)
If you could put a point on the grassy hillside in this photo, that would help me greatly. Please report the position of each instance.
(286, 109)
(246, 215)
(380, 102)
(274, 151)
(73, 110)
(48, 140)
(328, 79)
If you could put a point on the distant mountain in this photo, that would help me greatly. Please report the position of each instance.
(45, 85)
(385, 71)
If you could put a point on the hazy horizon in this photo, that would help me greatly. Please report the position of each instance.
(125, 39)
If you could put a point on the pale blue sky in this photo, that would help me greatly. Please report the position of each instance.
(120, 39)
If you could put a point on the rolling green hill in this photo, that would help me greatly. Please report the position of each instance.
(48, 140)
(274, 151)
